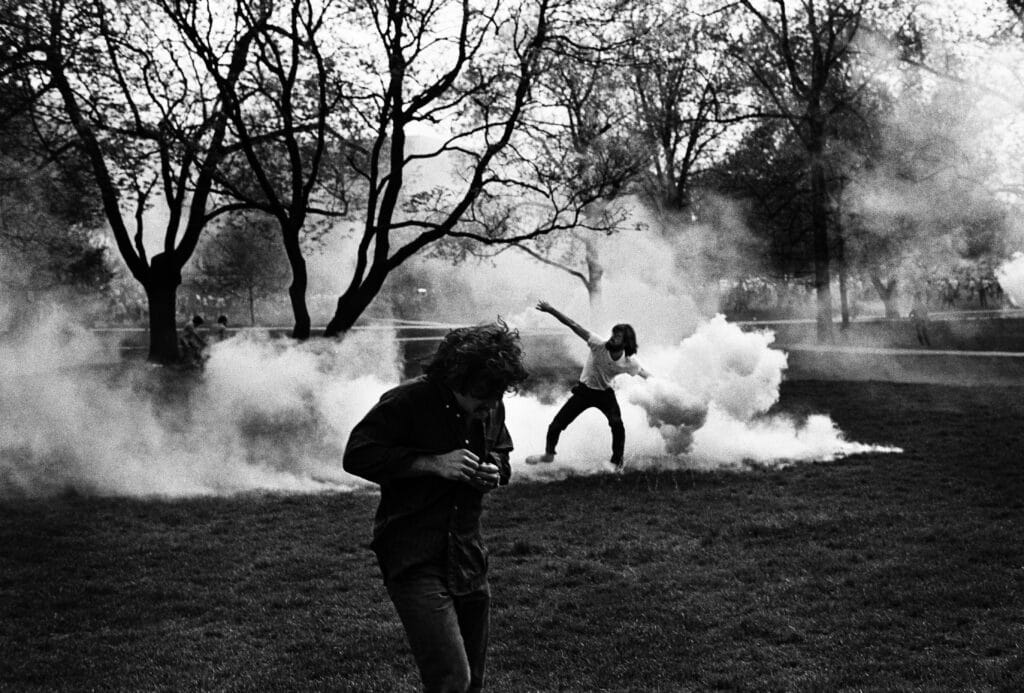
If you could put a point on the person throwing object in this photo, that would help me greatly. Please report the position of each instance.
(436, 445)
(607, 359)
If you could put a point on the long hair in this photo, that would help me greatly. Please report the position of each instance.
(482, 361)
(628, 338)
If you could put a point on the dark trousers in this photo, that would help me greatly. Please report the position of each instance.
(584, 398)
(922, 334)
(447, 633)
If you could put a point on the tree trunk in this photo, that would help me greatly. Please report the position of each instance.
(303, 324)
(844, 297)
(20, 314)
(886, 292)
(819, 227)
(353, 302)
(297, 289)
(595, 272)
(163, 332)
(161, 292)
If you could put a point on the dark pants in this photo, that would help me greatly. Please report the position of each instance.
(447, 633)
(922, 334)
(584, 398)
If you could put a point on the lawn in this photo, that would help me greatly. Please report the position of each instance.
(875, 572)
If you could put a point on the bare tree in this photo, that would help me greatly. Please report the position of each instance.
(469, 75)
(121, 85)
(685, 92)
(599, 138)
(799, 56)
(283, 112)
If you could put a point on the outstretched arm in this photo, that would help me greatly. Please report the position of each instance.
(545, 307)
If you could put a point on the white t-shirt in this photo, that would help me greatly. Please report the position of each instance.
(600, 369)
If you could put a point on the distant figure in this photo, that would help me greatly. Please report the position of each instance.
(919, 316)
(220, 332)
(192, 343)
(437, 445)
(607, 359)
(950, 293)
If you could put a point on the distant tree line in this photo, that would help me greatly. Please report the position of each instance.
(217, 143)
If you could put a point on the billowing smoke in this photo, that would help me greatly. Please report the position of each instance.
(272, 414)
(1011, 278)
(265, 414)
(706, 406)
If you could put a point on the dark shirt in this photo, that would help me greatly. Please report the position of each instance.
(425, 519)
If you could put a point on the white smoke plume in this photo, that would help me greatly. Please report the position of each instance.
(265, 414)
(1011, 277)
(271, 414)
(706, 407)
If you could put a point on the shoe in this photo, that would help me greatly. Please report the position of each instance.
(547, 457)
(617, 463)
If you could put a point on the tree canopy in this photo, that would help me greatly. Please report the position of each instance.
(451, 126)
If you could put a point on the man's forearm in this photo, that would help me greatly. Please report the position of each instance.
(569, 322)
(561, 317)
(422, 466)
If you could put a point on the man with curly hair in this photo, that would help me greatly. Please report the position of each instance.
(436, 445)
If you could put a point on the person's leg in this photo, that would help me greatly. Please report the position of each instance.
(922, 335)
(576, 405)
(474, 623)
(609, 406)
(428, 613)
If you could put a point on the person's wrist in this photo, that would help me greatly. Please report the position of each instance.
(425, 463)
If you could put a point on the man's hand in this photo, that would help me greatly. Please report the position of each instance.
(486, 477)
(544, 306)
(457, 465)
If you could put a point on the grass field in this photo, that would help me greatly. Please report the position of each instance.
(877, 572)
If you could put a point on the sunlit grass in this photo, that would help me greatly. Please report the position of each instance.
(878, 572)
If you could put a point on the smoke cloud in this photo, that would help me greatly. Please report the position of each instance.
(266, 414)
(270, 414)
(706, 407)
(1011, 277)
